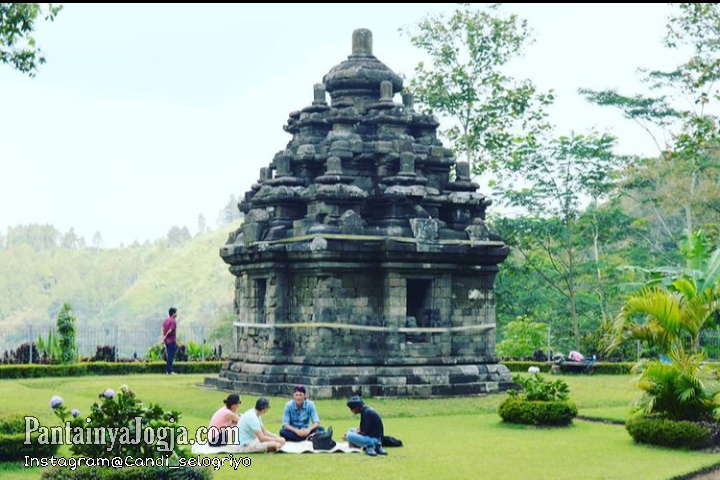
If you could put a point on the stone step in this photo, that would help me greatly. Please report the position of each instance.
(383, 380)
(373, 390)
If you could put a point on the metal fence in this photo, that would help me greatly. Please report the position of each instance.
(710, 343)
(129, 342)
(134, 342)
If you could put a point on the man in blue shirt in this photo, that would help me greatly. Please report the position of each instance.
(300, 418)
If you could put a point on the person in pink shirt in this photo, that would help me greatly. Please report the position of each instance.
(169, 328)
(576, 356)
(223, 420)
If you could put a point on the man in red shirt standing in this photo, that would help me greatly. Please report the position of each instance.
(169, 327)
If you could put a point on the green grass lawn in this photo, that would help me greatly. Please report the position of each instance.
(444, 437)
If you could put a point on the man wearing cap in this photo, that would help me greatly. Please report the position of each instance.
(369, 435)
(252, 435)
(300, 417)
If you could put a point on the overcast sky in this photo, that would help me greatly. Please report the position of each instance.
(146, 116)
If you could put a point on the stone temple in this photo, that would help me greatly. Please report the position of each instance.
(364, 264)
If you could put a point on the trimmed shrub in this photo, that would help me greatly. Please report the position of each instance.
(13, 448)
(14, 424)
(669, 433)
(613, 368)
(24, 353)
(130, 473)
(104, 368)
(12, 442)
(104, 353)
(528, 412)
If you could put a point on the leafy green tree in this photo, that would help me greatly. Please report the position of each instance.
(549, 188)
(229, 213)
(521, 291)
(66, 334)
(97, 240)
(522, 338)
(201, 224)
(607, 232)
(39, 237)
(493, 116)
(499, 124)
(678, 188)
(72, 241)
(17, 44)
(177, 236)
(604, 241)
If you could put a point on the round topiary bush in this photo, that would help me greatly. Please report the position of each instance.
(538, 401)
(533, 412)
(12, 441)
(669, 433)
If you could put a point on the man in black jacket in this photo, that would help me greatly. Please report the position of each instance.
(369, 435)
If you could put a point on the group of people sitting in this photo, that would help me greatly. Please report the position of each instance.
(300, 421)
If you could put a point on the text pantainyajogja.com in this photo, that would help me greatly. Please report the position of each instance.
(164, 438)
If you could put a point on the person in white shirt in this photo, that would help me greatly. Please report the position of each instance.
(252, 435)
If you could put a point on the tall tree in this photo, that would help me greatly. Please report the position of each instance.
(229, 213)
(201, 224)
(39, 237)
(550, 189)
(97, 240)
(17, 44)
(493, 116)
(177, 236)
(677, 189)
(71, 240)
(66, 334)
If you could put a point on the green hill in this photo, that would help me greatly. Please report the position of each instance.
(130, 287)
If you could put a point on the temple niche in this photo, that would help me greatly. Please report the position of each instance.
(364, 264)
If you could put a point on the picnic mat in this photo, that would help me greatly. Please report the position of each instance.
(307, 447)
(289, 447)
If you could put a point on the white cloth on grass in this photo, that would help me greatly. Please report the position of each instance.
(289, 447)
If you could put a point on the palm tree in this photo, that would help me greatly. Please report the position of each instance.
(681, 390)
(675, 306)
(674, 317)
